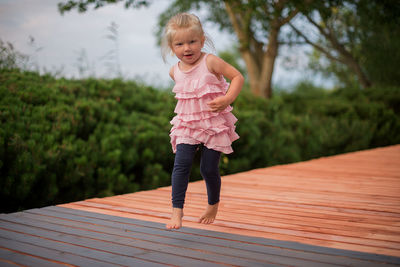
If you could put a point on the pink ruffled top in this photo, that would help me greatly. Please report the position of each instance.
(194, 122)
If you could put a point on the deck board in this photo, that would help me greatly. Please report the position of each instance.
(57, 235)
(349, 201)
(342, 210)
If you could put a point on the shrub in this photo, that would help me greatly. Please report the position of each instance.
(65, 140)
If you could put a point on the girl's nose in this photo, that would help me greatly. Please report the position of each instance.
(186, 47)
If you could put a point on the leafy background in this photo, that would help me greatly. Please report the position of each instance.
(64, 140)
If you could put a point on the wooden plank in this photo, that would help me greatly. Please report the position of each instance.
(28, 226)
(279, 210)
(270, 227)
(234, 229)
(363, 195)
(310, 206)
(232, 248)
(244, 232)
(50, 254)
(159, 197)
(103, 258)
(6, 263)
(17, 258)
(242, 242)
(35, 229)
(208, 252)
(122, 253)
(388, 233)
(349, 201)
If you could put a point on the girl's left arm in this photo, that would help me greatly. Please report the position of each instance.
(218, 66)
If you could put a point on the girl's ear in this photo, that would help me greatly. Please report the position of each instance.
(203, 40)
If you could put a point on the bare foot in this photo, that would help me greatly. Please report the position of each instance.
(210, 214)
(176, 219)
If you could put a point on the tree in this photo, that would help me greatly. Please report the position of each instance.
(263, 18)
(380, 40)
(352, 36)
(82, 5)
(256, 24)
(353, 39)
(336, 40)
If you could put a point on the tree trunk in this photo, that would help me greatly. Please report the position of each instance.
(259, 57)
(352, 63)
(260, 63)
(260, 75)
(269, 62)
(253, 71)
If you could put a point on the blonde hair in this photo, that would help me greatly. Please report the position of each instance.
(182, 21)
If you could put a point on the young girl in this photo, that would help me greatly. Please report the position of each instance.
(204, 120)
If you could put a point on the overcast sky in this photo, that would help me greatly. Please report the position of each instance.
(62, 39)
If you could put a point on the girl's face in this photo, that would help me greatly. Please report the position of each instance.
(187, 45)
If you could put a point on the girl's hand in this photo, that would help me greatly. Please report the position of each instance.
(219, 67)
(218, 104)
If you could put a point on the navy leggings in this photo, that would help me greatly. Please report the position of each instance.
(209, 169)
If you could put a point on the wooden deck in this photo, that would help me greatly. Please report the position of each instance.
(342, 210)
(57, 236)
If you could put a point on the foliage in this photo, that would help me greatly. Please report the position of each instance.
(66, 140)
(256, 24)
(312, 122)
(9, 57)
(82, 5)
(380, 41)
(357, 40)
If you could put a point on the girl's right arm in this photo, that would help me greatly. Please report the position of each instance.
(218, 66)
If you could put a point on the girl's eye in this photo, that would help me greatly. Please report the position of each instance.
(193, 41)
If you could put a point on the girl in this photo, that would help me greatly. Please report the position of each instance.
(204, 120)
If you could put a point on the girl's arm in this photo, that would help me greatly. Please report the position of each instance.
(218, 66)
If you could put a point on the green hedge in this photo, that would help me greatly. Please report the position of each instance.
(66, 140)
(312, 122)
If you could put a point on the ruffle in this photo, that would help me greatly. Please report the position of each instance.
(200, 115)
(196, 105)
(191, 141)
(212, 126)
(215, 132)
(226, 119)
(197, 88)
(195, 123)
(220, 141)
(223, 149)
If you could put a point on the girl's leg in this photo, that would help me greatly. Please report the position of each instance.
(181, 172)
(180, 179)
(209, 168)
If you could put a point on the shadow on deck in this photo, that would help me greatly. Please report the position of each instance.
(340, 210)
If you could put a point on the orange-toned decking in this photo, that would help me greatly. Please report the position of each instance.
(349, 201)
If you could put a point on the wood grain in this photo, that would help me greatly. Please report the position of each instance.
(349, 201)
(336, 211)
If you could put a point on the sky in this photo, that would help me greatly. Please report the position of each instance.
(62, 41)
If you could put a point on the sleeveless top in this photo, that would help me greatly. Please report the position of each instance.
(194, 122)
